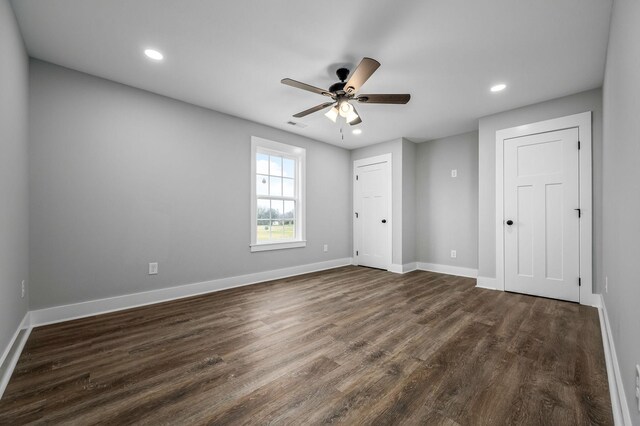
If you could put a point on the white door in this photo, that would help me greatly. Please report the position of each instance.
(372, 212)
(541, 198)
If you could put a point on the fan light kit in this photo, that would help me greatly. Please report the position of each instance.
(344, 92)
(332, 114)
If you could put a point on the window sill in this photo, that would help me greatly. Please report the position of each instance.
(278, 246)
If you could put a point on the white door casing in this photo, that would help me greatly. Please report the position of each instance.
(541, 235)
(372, 212)
(581, 122)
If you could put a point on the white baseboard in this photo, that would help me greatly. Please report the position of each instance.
(592, 299)
(395, 268)
(447, 269)
(409, 267)
(619, 406)
(101, 306)
(402, 269)
(487, 283)
(10, 362)
(23, 324)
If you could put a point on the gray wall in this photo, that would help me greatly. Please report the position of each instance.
(581, 102)
(447, 208)
(121, 177)
(395, 148)
(621, 245)
(14, 232)
(409, 230)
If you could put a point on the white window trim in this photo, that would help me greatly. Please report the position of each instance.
(277, 148)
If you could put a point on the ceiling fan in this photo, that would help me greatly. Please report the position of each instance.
(342, 93)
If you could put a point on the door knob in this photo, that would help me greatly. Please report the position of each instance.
(509, 222)
(384, 220)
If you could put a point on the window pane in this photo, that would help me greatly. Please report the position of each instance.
(275, 166)
(263, 209)
(289, 229)
(263, 230)
(262, 164)
(288, 187)
(262, 185)
(289, 209)
(289, 168)
(279, 170)
(277, 209)
(275, 186)
(277, 230)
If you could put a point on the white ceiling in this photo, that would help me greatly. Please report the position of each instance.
(231, 55)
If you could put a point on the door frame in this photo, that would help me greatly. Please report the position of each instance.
(582, 122)
(365, 162)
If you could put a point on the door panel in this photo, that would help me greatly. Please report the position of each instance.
(524, 219)
(541, 192)
(553, 231)
(371, 203)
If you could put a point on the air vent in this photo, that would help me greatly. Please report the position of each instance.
(293, 123)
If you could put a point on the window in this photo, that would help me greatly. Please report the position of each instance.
(277, 195)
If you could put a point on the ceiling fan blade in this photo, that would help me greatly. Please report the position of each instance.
(357, 120)
(312, 110)
(384, 99)
(364, 70)
(307, 87)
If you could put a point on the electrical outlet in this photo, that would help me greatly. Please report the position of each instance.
(23, 289)
(606, 284)
(153, 268)
(453, 254)
(454, 172)
(325, 248)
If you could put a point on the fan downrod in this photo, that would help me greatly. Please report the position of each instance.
(342, 74)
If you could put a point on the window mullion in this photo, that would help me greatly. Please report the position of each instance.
(277, 197)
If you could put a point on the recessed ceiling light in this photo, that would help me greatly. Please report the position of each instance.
(356, 131)
(498, 87)
(154, 54)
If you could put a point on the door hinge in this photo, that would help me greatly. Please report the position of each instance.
(579, 212)
(578, 144)
(356, 252)
(579, 282)
(356, 215)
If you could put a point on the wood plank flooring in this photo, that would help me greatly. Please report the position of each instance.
(349, 345)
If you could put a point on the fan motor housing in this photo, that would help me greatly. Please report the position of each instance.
(337, 87)
(342, 74)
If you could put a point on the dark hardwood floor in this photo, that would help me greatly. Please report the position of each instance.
(350, 345)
